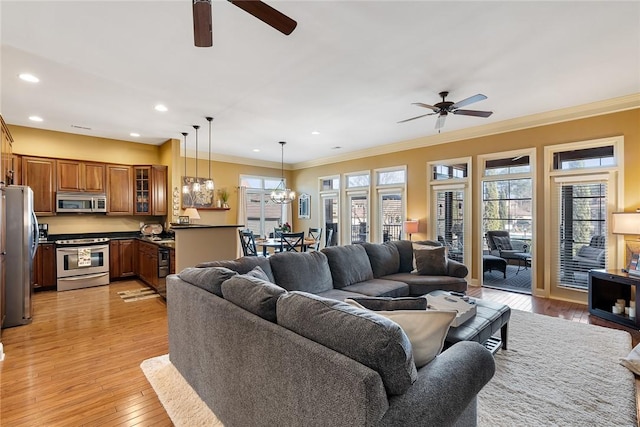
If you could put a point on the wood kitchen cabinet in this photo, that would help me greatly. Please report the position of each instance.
(74, 175)
(148, 263)
(122, 256)
(119, 190)
(44, 267)
(39, 174)
(6, 157)
(150, 190)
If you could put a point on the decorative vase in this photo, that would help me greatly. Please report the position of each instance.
(226, 205)
(219, 203)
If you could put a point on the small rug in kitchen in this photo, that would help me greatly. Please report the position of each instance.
(138, 294)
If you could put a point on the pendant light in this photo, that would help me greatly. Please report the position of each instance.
(281, 194)
(185, 186)
(209, 184)
(196, 185)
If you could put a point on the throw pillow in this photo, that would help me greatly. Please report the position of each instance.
(389, 303)
(384, 258)
(362, 335)
(208, 278)
(632, 361)
(425, 246)
(254, 295)
(431, 262)
(503, 243)
(258, 273)
(426, 330)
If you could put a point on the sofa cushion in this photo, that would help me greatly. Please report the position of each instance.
(391, 304)
(243, 265)
(349, 264)
(258, 273)
(595, 254)
(362, 335)
(384, 258)
(338, 294)
(421, 285)
(209, 278)
(253, 294)
(405, 254)
(379, 288)
(432, 262)
(503, 243)
(301, 271)
(426, 330)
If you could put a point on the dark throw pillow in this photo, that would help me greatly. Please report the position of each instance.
(207, 278)
(431, 262)
(503, 243)
(254, 295)
(390, 303)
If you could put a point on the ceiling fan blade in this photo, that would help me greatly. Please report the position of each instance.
(202, 32)
(267, 14)
(440, 121)
(470, 100)
(431, 107)
(418, 117)
(474, 113)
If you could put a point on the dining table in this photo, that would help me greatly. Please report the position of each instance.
(277, 243)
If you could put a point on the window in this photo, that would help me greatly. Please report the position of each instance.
(449, 192)
(357, 193)
(583, 188)
(330, 197)
(391, 185)
(263, 215)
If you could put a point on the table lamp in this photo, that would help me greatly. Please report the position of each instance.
(192, 213)
(627, 223)
(410, 226)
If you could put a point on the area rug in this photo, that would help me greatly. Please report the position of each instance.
(555, 373)
(138, 294)
(520, 282)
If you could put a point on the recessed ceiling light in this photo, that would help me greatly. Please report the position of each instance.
(29, 78)
(256, 150)
(134, 134)
(161, 107)
(315, 132)
(337, 147)
(35, 118)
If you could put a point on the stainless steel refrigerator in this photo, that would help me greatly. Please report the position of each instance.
(21, 244)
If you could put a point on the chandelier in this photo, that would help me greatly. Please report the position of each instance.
(282, 194)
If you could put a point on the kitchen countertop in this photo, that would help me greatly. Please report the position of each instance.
(164, 241)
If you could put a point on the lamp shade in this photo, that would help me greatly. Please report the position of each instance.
(410, 226)
(192, 213)
(626, 223)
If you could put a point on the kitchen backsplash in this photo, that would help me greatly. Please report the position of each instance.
(90, 223)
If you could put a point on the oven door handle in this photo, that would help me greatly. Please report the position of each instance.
(87, 276)
(74, 250)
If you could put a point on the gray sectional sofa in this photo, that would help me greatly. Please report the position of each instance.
(276, 345)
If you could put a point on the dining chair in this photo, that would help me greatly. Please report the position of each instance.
(248, 242)
(315, 234)
(293, 242)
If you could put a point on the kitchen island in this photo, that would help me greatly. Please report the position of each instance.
(196, 243)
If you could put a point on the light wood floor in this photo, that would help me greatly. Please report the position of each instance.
(78, 363)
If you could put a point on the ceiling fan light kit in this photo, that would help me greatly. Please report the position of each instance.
(203, 26)
(443, 108)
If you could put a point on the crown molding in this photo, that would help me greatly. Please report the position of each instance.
(608, 106)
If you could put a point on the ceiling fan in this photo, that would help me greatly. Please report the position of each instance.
(203, 31)
(442, 109)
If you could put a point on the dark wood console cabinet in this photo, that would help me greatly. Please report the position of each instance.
(605, 287)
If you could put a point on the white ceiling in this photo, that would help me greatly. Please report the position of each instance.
(350, 70)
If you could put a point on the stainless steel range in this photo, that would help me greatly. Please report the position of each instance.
(82, 263)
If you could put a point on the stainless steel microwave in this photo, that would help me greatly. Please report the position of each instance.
(81, 202)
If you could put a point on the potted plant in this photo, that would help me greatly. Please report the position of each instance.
(223, 193)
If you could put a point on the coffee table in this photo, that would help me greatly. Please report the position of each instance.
(490, 318)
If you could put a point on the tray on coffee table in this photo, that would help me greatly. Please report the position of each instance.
(445, 301)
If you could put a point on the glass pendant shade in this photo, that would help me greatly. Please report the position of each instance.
(209, 184)
(282, 194)
(185, 187)
(196, 184)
